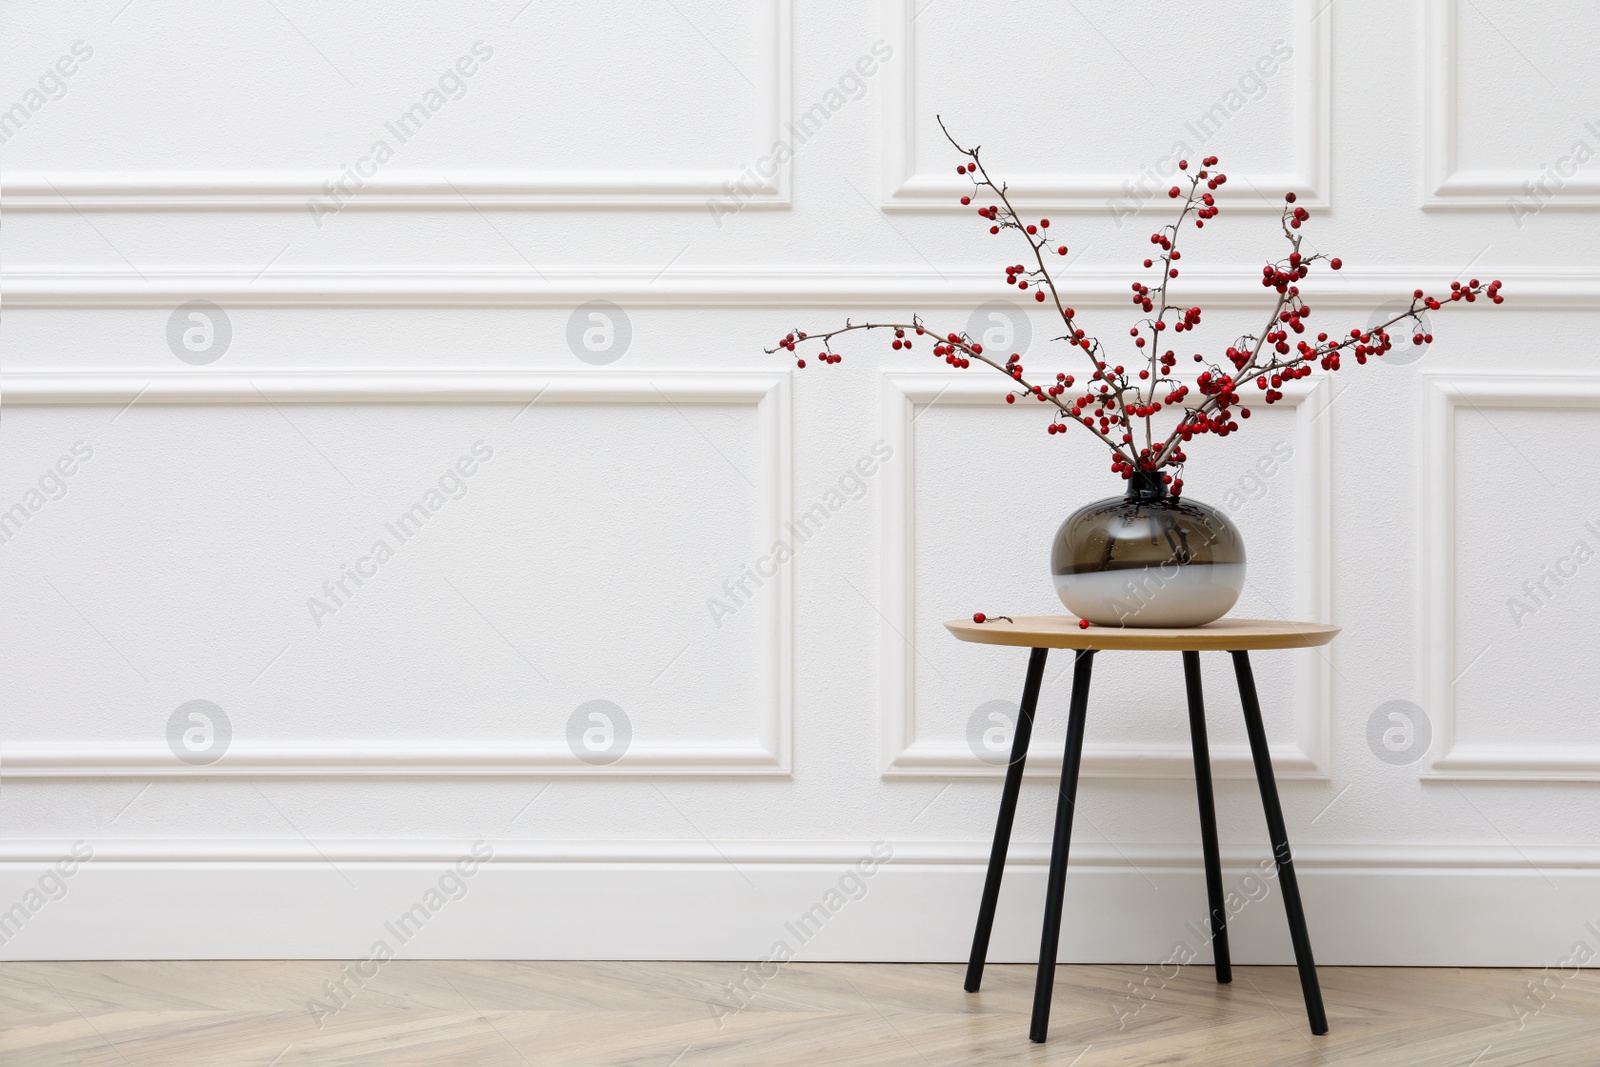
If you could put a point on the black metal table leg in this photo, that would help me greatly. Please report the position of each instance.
(1044, 983)
(1208, 817)
(1002, 824)
(1280, 843)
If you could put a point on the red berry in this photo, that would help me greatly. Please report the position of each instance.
(1335, 263)
(1083, 624)
(978, 616)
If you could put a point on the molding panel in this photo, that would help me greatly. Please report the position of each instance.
(906, 188)
(1445, 393)
(766, 753)
(1447, 185)
(901, 393)
(726, 287)
(436, 190)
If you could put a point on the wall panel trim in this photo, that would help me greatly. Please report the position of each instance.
(443, 190)
(1445, 393)
(734, 286)
(1446, 185)
(767, 753)
(906, 188)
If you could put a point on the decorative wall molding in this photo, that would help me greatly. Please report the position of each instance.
(901, 392)
(401, 758)
(1446, 185)
(329, 899)
(437, 190)
(906, 188)
(762, 851)
(1444, 393)
(767, 753)
(766, 390)
(192, 190)
(731, 287)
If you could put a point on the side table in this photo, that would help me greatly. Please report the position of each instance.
(1236, 636)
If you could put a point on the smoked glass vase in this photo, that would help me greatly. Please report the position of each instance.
(1147, 559)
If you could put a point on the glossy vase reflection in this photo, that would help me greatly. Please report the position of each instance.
(1148, 559)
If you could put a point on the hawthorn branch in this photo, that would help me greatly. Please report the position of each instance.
(1249, 356)
(962, 344)
(1014, 219)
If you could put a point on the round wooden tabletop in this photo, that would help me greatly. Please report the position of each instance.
(1063, 631)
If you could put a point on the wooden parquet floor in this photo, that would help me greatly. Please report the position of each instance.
(478, 1014)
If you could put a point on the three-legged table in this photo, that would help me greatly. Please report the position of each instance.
(1236, 636)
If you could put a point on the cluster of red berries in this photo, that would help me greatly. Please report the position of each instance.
(1017, 276)
(1141, 294)
(1271, 384)
(1275, 277)
(992, 213)
(1208, 208)
(1063, 381)
(1123, 467)
(1469, 292)
(951, 353)
(1295, 216)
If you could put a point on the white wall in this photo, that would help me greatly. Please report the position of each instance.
(374, 337)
